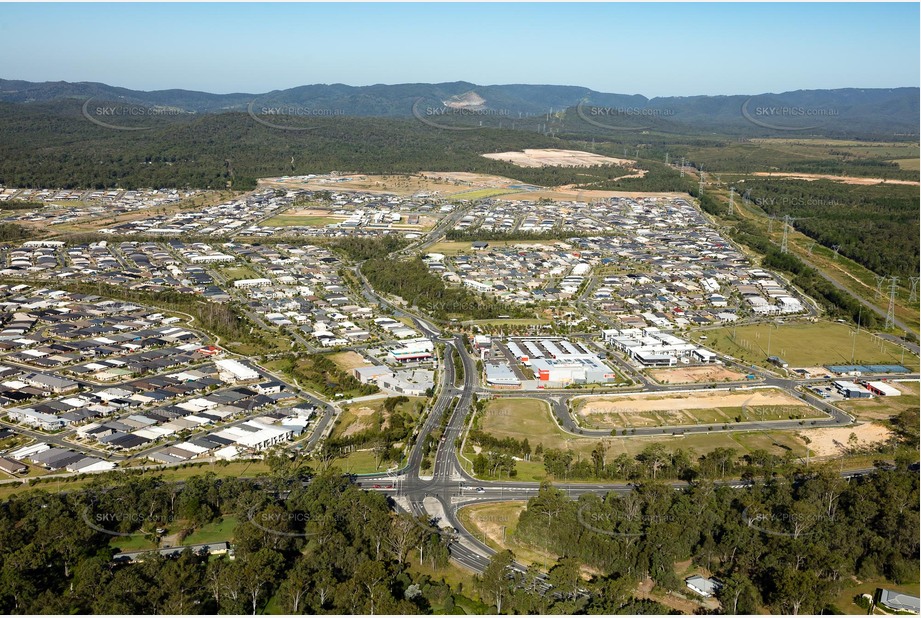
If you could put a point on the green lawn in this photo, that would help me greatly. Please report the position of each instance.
(234, 273)
(135, 542)
(360, 462)
(212, 533)
(807, 345)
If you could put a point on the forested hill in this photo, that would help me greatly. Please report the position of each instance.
(858, 112)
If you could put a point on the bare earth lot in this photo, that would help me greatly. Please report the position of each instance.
(848, 180)
(834, 440)
(689, 408)
(694, 375)
(552, 157)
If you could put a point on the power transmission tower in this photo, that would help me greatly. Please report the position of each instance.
(836, 247)
(666, 158)
(786, 227)
(682, 167)
(912, 295)
(771, 225)
(811, 247)
(880, 280)
(890, 314)
(732, 199)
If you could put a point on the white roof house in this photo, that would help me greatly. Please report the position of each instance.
(701, 585)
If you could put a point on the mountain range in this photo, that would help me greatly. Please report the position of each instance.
(856, 112)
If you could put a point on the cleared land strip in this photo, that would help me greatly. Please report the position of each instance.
(691, 408)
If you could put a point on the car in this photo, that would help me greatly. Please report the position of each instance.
(480, 490)
(375, 486)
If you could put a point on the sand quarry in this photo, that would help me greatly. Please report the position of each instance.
(693, 375)
(552, 157)
(834, 440)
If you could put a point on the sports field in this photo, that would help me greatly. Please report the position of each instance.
(808, 345)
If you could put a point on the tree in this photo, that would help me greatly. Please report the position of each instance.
(738, 595)
(565, 576)
(494, 584)
(256, 573)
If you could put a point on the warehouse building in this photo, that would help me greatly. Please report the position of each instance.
(501, 376)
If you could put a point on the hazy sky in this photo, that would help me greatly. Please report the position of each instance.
(651, 49)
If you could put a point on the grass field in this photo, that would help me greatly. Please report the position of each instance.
(302, 221)
(212, 533)
(807, 345)
(360, 462)
(135, 542)
(233, 273)
(478, 194)
(348, 360)
(908, 164)
(495, 525)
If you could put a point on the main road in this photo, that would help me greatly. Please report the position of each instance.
(449, 487)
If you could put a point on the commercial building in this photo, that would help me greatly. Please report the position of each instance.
(882, 389)
(234, 371)
(501, 376)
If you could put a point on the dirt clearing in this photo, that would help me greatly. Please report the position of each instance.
(835, 440)
(694, 375)
(552, 157)
(848, 180)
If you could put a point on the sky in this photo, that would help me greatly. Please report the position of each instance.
(653, 49)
